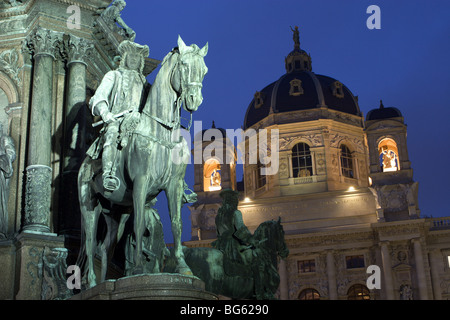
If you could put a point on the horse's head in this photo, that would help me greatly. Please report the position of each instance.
(282, 248)
(189, 73)
(272, 234)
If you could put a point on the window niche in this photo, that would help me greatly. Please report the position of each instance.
(301, 161)
(296, 88)
(309, 294)
(388, 154)
(259, 99)
(337, 89)
(347, 162)
(212, 179)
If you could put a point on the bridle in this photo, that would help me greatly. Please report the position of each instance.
(186, 85)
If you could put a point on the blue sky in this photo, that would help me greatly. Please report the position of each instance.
(405, 63)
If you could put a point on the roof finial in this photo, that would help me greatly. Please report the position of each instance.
(296, 38)
(213, 125)
(381, 104)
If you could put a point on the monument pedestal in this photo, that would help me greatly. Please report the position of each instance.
(160, 286)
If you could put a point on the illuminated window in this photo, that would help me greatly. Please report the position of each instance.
(388, 152)
(212, 180)
(358, 292)
(346, 162)
(301, 161)
(309, 294)
(354, 262)
(305, 266)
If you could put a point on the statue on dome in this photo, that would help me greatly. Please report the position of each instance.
(296, 37)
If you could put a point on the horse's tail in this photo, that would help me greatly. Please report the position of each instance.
(82, 256)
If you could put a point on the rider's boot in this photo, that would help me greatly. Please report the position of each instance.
(110, 181)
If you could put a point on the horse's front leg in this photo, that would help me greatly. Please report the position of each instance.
(139, 197)
(174, 194)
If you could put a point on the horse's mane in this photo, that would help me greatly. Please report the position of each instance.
(263, 229)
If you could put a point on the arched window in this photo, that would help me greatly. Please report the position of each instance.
(301, 161)
(309, 294)
(388, 152)
(346, 162)
(358, 292)
(212, 180)
(261, 179)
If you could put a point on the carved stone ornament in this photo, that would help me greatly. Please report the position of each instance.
(314, 140)
(11, 3)
(50, 267)
(37, 198)
(43, 41)
(9, 63)
(78, 49)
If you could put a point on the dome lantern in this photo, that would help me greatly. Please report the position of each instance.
(298, 59)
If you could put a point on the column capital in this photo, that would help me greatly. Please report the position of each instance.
(384, 243)
(77, 49)
(42, 42)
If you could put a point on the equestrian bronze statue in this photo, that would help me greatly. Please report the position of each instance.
(146, 155)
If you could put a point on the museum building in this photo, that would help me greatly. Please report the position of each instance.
(344, 190)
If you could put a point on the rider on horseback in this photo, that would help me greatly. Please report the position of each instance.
(118, 100)
(237, 244)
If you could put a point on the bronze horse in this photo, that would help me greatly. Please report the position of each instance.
(257, 280)
(154, 160)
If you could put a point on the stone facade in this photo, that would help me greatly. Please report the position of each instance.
(50, 65)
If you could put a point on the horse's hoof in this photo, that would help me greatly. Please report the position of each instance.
(138, 271)
(185, 271)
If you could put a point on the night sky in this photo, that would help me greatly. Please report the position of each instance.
(406, 63)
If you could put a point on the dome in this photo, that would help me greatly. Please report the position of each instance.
(383, 113)
(300, 89)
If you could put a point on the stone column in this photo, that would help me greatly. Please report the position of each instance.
(331, 271)
(42, 44)
(420, 269)
(387, 270)
(436, 265)
(74, 132)
(284, 287)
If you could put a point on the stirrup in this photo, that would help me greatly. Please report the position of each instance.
(110, 182)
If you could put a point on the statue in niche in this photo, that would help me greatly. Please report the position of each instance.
(111, 15)
(7, 157)
(215, 178)
(118, 100)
